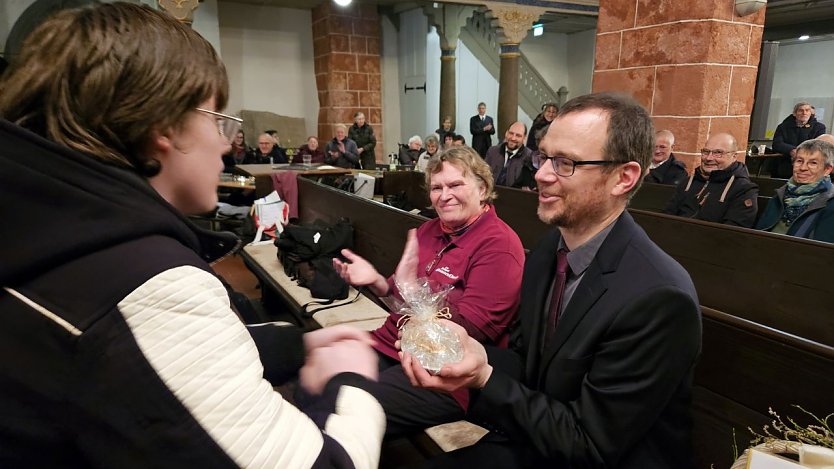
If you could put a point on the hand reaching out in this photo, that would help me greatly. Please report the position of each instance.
(325, 362)
(359, 272)
(409, 262)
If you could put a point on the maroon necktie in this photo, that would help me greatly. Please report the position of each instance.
(558, 291)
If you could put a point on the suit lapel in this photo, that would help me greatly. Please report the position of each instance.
(592, 286)
(538, 278)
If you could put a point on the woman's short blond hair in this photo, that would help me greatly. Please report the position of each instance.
(469, 162)
(103, 80)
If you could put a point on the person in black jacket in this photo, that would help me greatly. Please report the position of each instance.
(118, 345)
(540, 123)
(720, 189)
(268, 151)
(665, 169)
(800, 126)
(482, 127)
(363, 135)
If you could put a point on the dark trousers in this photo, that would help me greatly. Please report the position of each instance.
(409, 409)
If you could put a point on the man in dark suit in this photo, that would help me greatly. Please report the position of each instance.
(665, 168)
(481, 127)
(599, 370)
(507, 159)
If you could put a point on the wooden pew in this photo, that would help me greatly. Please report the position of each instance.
(775, 280)
(768, 186)
(746, 368)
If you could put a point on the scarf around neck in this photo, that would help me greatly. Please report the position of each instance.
(799, 196)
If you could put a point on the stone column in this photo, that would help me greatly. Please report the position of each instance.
(514, 22)
(448, 20)
(691, 64)
(347, 65)
(182, 10)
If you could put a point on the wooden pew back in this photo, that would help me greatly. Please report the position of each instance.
(778, 281)
(745, 369)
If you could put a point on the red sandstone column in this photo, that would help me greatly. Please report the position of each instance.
(348, 79)
(691, 64)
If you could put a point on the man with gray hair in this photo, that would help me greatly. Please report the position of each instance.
(804, 207)
(800, 126)
(720, 189)
(411, 153)
(342, 151)
(664, 168)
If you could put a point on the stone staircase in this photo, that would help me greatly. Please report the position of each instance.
(480, 36)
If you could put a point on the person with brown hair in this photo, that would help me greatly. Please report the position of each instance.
(466, 246)
(540, 124)
(118, 346)
(599, 369)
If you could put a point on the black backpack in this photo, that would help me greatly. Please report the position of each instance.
(307, 252)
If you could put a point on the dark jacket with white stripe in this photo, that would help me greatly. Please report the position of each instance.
(728, 197)
(118, 347)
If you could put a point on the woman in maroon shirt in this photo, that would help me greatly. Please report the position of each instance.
(467, 246)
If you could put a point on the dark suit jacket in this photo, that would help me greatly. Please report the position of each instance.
(671, 172)
(495, 160)
(481, 139)
(613, 387)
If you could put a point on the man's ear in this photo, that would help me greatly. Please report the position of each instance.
(626, 177)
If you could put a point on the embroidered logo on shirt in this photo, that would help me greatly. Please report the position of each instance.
(445, 271)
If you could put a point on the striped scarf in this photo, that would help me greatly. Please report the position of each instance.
(799, 196)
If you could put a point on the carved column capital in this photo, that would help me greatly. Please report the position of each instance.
(182, 10)
(514, 20)
(448, 19)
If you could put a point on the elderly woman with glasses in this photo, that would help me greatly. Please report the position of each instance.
(118, 346)
(466, 246)
(804, 207)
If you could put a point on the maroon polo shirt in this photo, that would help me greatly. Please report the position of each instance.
(484, 264)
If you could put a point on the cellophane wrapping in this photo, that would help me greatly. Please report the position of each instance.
(422, 334)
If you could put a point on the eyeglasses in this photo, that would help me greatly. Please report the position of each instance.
(812, 164)
(565, 166)
(715, 153)
(227, 126)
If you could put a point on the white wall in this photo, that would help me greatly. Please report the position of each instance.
(803, 72)
(268, 53)
(549, 54)
(389, 66)
(206, 22)
(10, 11)
(412, 67)
(580, 63)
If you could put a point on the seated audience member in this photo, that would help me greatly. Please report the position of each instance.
(506, 159)
(665, 169)
(118, 347)
(468, 247)
(448, 139)
(720, 190)
(431, 150)
(268, 151)
(800, 126)
(342, 151)
(363, 135)
(804, 207)
(311, 149)
(458, 141)
(240, 154)
(444, 130)
(600, 365)
(277, 139)
(411, 153)
(540, 124)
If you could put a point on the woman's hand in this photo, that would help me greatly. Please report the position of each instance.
(408, 266)
(359, 272)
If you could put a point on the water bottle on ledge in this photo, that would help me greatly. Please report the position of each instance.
(392, 162)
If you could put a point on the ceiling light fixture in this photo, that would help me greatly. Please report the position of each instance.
(538, 29)
(804, 37)
(342, 3)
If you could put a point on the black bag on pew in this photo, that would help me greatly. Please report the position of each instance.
(307, 252)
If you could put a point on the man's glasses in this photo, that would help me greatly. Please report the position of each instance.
(715, 153)
(565, 166)
(227, 126)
